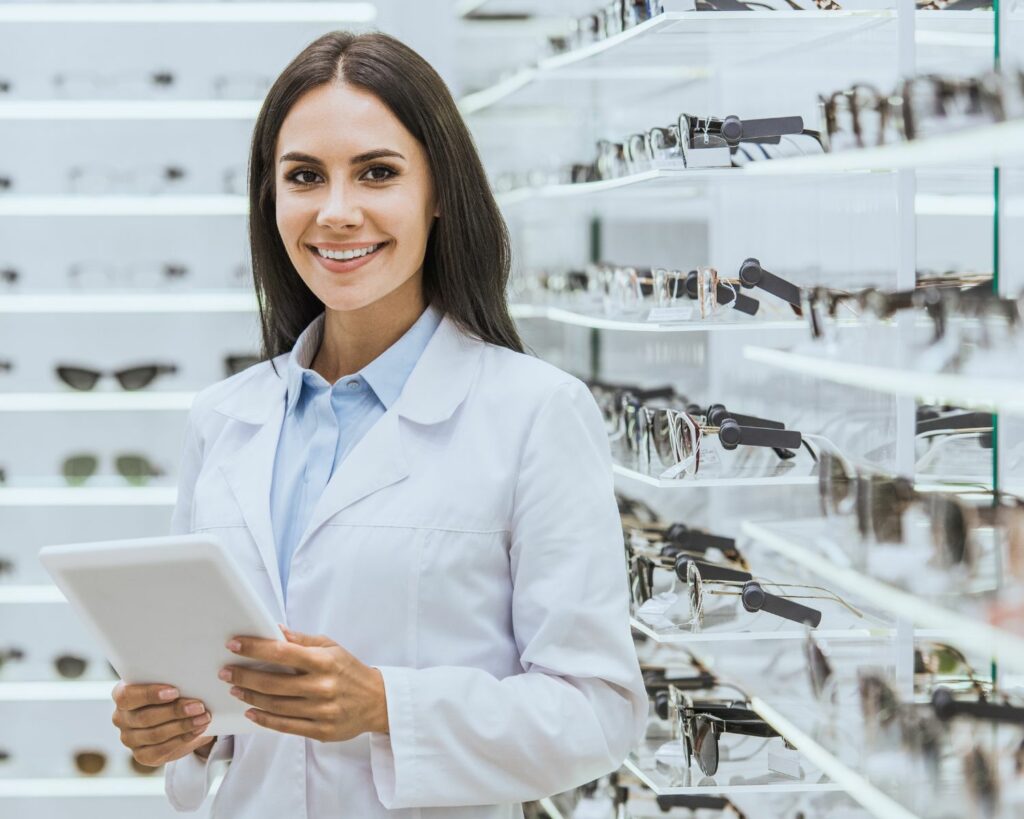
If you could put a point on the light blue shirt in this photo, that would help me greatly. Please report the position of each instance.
(322, 423)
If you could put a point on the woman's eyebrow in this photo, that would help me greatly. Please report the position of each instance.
(358, 159)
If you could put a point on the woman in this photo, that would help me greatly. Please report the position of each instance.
(428, 509)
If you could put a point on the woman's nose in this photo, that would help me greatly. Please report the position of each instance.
(340, 208)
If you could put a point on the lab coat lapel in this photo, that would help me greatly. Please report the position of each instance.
(249, 470)
(436, 386)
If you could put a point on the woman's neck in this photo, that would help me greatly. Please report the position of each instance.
(354, 338)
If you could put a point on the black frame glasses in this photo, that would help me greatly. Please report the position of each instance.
(131, 378)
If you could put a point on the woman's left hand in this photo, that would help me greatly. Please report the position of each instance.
(332, 698)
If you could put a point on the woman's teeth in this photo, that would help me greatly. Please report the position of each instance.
(345, 255)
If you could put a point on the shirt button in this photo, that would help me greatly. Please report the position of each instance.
(353, 385)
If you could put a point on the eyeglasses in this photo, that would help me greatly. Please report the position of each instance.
(104, 179)
(236, 179)
(886, 716)
(133, 467)
(70, 667)
(241, 86)
(861, 116)
(687, 139)
(234, 364)
(635, 510)
(699, 724)
(129, 84)
(755, 598)
(879, 503)
(8, 654)
(674, 432)
(149, 274)
(609, 20)
(819, 670)
(90, 763)
(133, 378)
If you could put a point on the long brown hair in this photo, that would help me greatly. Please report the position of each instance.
(468, 254)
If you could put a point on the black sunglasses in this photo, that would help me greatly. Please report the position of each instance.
(133, 378)
(699, 724)
(133, 467)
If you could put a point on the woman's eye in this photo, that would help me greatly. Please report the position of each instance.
(380, 173)
(295, 177)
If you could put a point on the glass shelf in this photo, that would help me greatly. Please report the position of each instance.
(747, 627)
(526, 8)
(128, 12)
(195, 301)
(160, 205)
(783, 474)
(726, 320)
(672, 187)
(51, 691)
(127, 401)
(747, 776)
(674, 46)
(90, 786)
(19, 595)
(845, 777)
(130, 109)
(998, 144)
(89, 496)
(970, 392)
(816, 545)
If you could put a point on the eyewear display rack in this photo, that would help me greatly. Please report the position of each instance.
(221, 55)
(882, 216)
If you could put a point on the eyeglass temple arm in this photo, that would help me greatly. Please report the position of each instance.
(755, 598)
(753, 275)
(717, 413)
(954, 421)
(678, 534)
(731, 434)
(769, 129)
(946, 708)
(711, 571)
(694, 803)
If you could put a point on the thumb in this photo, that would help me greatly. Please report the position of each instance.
(301, 639)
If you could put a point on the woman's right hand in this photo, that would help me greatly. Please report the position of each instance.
(158, 730)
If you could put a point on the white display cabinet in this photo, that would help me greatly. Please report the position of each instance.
(885, 217)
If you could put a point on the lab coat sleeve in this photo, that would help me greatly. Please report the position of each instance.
(460, 736)
(187, 780)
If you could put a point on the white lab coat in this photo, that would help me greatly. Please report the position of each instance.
(469, 547)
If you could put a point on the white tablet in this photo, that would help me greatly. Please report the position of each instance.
(162, 609)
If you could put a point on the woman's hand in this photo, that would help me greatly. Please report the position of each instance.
(332, 698)
(158, 725)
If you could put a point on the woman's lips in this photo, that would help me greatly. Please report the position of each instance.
(346, 266)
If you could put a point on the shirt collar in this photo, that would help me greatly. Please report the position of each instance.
(386, 374)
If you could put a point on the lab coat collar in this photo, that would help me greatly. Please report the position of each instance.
(436, 387)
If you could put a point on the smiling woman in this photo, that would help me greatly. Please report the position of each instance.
(428, 511)
(364, 181)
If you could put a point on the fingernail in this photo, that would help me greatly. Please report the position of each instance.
(233, 645)
(168, 693)
(235, 691)
(224, 674)
(194, 708)
(205, 718)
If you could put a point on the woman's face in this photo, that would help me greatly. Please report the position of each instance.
(352, 180)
